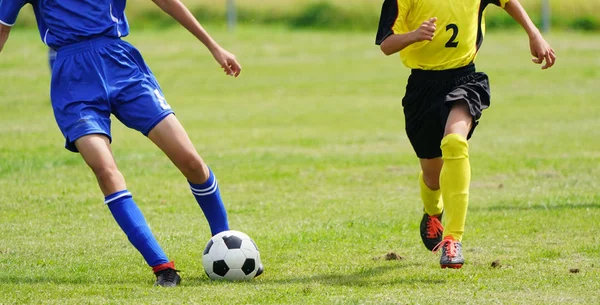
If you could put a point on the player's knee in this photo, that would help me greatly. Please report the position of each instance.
(194, 169)
(454, 146)
(107, 175)
(432, 179)
(431, 172)
(193, 164)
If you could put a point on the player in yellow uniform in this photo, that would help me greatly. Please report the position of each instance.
(444, 99)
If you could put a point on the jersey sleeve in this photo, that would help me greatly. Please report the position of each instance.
(9, 10)
(500, 3)
(393, 13)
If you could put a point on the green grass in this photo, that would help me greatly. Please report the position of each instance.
(313, 163)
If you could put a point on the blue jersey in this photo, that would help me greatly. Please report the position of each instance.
(64, 22)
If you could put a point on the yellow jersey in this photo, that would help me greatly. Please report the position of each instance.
(460, 27)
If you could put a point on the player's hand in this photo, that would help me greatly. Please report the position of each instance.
(227, 61)
(541, 52)
(426, 30)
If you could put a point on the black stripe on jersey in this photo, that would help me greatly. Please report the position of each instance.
(482, 5)
(389, 15)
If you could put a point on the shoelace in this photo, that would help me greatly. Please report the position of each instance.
(449, 245)
(434, 227)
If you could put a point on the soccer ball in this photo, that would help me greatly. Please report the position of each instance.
(231, 255)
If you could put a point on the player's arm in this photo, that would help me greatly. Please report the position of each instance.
(540, 49)
(4, 31)
(182, 14)
(397, 42)
(392, 34)
(9, 10)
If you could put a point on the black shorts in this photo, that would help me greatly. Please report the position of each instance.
(428, 100)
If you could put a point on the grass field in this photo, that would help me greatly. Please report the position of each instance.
(313, 163)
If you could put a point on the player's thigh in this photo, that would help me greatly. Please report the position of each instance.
(170, 136)
(459, 120)
(95, 150)
(465, 104)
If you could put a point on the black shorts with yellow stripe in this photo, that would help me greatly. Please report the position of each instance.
(429, 98)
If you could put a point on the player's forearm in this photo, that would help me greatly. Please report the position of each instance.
(182, 14)
(518, 13)
(397, 42)
(4, 30)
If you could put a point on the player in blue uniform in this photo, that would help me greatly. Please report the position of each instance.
(96, 74)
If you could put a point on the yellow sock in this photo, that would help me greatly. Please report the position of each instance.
(432, 200)
(455, 179)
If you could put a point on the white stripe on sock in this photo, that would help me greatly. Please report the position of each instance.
(120, 196)
(216, 186)
(206, 189)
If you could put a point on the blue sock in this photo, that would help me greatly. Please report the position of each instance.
(132, 222)
(208, 197)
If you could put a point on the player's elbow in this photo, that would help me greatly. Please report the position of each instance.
(385, 49)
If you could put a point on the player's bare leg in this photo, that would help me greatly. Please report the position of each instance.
(95, 150)
(455, 178)
(170, 136)
(431, 172)
(459, 120)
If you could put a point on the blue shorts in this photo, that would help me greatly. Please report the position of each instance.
(94, 78)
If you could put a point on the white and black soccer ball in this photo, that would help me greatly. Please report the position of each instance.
(231, 255)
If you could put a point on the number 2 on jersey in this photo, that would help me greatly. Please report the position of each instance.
(451, 43)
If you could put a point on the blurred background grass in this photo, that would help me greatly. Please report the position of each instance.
(355, 15)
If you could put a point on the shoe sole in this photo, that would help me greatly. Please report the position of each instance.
(451, 266)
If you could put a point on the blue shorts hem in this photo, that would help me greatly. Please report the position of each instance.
(157, 119)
